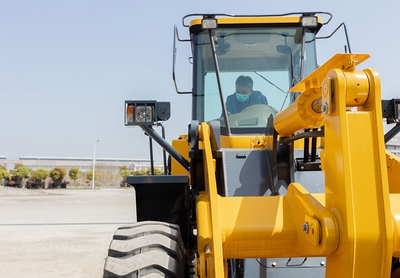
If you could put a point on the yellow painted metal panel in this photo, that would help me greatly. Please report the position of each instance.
(338, 61)
(182, 146)
(395, 207)
(276, 233)
(203, 222)
(305, 206)
(251, 20)
(279, 231)
(213, 254)
(257, 227)
(300, 114)
(356, 188)
(246, 141)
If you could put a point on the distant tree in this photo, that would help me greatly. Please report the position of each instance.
(58, 174)
(139, 173)
(89, 175)
(40, 174)
(22, 171)
(3, 168)
(157, 171)
(74, 173)
(3, 175)
(124, 173)
(18, 165)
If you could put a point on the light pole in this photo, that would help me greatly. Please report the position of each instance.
(94, 162)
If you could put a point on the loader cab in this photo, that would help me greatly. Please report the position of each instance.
(276, 52)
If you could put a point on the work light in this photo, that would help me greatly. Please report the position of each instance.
(209, 23)
(147, 112)
(309, 21)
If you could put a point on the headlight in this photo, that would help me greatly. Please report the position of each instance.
(146, 112)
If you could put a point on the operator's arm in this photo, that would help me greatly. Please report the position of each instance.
(230, 105)
(259, 98)
(264, 99)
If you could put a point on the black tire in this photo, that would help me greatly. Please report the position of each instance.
(146, 249)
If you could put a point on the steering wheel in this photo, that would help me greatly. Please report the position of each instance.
(260, 108)
(252, 116)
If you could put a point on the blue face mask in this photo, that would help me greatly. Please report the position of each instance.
(241, 97)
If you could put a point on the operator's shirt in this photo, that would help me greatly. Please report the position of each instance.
(234, 106)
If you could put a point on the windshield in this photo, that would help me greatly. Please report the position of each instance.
(257, 67)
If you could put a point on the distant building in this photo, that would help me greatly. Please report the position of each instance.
(2, 160)
(111, 164)
(83, 163)
(394, 146)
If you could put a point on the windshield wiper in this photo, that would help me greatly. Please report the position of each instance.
(270, 82)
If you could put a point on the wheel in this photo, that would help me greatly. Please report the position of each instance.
(146, 249)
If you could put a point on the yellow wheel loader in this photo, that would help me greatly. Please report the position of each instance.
(283, 171)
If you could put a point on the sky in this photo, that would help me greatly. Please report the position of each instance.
(67, 66)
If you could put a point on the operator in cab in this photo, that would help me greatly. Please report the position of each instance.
(244, 96)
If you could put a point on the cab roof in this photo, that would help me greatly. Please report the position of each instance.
(231, 19)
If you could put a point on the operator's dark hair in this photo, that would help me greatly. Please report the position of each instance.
(244, 81)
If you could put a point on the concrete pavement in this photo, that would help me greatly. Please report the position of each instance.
(60, 232)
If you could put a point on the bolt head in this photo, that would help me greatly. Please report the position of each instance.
(305, 227)
(324, 108)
